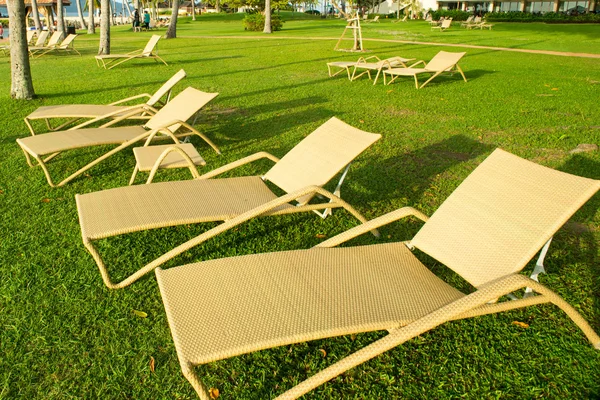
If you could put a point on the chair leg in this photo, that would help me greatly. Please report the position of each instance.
(201, 390)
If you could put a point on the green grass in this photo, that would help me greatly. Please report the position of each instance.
(64, 335)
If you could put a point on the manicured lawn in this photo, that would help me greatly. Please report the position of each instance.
(64, 335)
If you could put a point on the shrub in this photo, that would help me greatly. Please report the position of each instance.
(549, 18)
(256, 22)
(314, 12)
(456, 15)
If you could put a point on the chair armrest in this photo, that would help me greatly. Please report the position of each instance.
(239, 163)
(130, 98)
(373, 224)
(128, 112)
(165, 129)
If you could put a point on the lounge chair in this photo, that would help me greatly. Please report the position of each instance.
(444, 25)
(65, 46)
(475, 22)
(41, 38)
(301, 173)
(167, 121)
(379, 65)
(442, 62)
(53, 42)
(376, 19)
(467, 22)
(109, 61)
(486, 231)
(74, 112)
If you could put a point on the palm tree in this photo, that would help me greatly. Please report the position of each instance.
(80, 14)
(267, 17)
(21, 82)
(91, 24)
(104, 47)
(36, 15)
(172, 31)
(60, 16)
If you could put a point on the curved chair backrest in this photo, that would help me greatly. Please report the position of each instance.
(501, 216)
(166, 88)
(151, 45)
(443, 61)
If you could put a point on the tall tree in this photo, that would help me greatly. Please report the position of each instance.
(267, 17)
(36, 15)
(104, 47)
(21, 83)
(91, 24)
(80, 14)
(172, 31)
(193, 10)
(60, 17)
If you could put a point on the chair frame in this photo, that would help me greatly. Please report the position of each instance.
(117, 59)
(451, 70)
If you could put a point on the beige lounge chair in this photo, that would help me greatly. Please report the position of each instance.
(53, 42)
(474, 23)
(41, 38)
(167, 121)
(486, 231)
(65, 46)
(442, 62)
(109, 61)
(376, 19)
(301, 172)
(444, 25)
(467, 22)
(379, 65)
(75, 112)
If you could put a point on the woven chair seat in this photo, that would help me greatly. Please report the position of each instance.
(225, 307)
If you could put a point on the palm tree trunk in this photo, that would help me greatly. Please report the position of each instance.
(172, 31)
(267, 17)
(36, 16)
(91, 24)
(80, 14)
(193, 10)
(60, 18)
(21, 82)
(104, 47)
(218, 6)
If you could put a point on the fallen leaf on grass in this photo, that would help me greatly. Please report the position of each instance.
(390, 91)
(152, 364)
(323, 352)
(46, 200)
(361, 121)
(554, 88)
(214, 393)
(1, 191)
(320, 236)
(520, 324)
(140, 314)
(545, 95)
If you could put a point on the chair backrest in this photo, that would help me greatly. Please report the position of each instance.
(443, 61)
(67, 42)
(151, 45)
(320, 156)
(469, 19)
(54, 39)
(30, 35)
(501, 216)
(446, 23)
(166, 88)
(43, 35)
(182, 107)
(477, 20)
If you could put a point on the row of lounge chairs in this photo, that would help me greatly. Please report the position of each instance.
(486, 231)
(394, 67)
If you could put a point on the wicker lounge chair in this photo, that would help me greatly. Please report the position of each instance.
(486, 231)
(41, 38)
(65, 46)
(301, 173)
(444, 25)
(53, 42)
(77, 111)
(167, 121)
(109, 61)
(442, 62)
(376, 19)
(379, 65)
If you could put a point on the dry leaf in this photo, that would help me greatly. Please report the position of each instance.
(46, 200)
(214, 393)
(521, 324)
(390, 91)
(320, 236)
(545, 84)
(152, 364)
(1, 191)
(353, 337)
(323, 352)
(140, 314)
(554, 88)
(361, 121)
